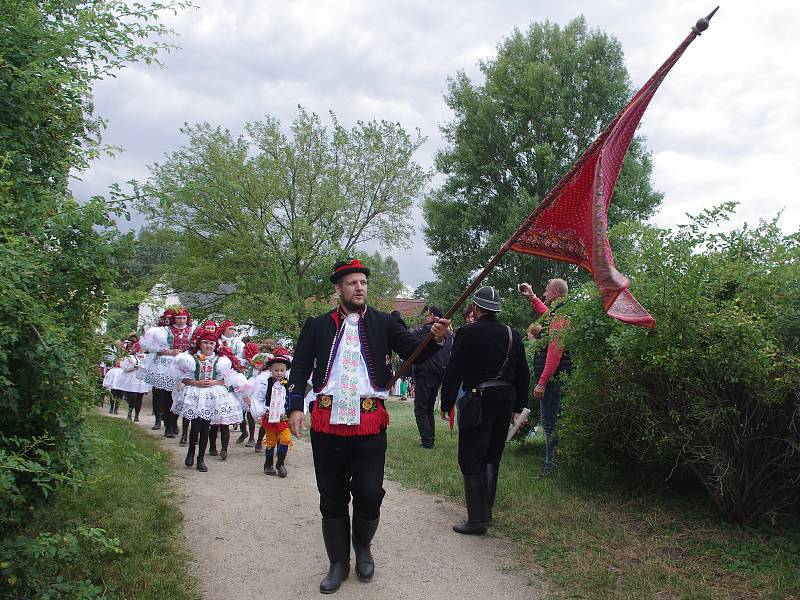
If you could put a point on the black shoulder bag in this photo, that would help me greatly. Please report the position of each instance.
(469, 403)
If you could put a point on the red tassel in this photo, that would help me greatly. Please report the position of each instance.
(371, 423)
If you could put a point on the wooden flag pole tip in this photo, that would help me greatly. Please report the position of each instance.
(702, 24)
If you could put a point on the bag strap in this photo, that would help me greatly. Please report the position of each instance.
(508, 355)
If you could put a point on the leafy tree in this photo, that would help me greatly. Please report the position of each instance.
(547, 94)
(56, 254)
(715, 388)
(258, 219)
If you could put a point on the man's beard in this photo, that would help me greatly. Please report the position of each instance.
(351, 307)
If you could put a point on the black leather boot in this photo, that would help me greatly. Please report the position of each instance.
(491, 488)
(201, 465)
(268, 468)
(336, 533)
(363, 532)
(189, 456)
(475, 495)
(157, 426)
(279, 465)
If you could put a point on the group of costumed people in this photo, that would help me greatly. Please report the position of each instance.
(211, 380)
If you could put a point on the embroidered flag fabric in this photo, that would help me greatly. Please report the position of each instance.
(571, 222)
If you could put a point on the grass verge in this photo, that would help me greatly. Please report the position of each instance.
(127, 494)
(596, 539)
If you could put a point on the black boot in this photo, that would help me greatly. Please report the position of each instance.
(157, 426)
(279, 463)
(475, 495)
(268, 468)
(168, 432)
(363, 531)
(491, 488)
(182, 441)
(189, 456)
(201, 465)
(336, 533)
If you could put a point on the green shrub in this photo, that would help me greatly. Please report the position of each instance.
(715, 388)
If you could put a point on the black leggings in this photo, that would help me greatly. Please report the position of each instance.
(134, 402)
(199, 427)
(225, 436)
(247, 418)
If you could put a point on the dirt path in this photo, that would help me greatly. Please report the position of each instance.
(259, 536)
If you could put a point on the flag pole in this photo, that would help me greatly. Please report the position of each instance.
(697, 29)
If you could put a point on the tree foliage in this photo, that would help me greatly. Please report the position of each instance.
(715, 388)
(258, 219)
(547, 94)
(56, 254)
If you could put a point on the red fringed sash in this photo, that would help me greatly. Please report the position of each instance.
(371, 423)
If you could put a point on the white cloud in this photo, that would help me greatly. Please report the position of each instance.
(723, 126)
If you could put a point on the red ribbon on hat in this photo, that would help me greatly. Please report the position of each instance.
(355, 263)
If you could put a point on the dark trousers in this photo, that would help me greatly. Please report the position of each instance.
(162, 403)
(247, 418)
(134, 402)
(225, 436)
(349, 465)
(485, 443)
(550, 408)
(199, 428)
(425, 390)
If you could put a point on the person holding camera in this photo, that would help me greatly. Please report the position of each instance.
(558, 360)
(427, 379)
(488, 379)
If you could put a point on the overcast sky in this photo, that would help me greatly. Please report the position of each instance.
(725, 124)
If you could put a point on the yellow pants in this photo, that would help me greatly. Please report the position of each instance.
(284, 438)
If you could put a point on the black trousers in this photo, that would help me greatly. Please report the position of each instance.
(225, 436)
(425, 391)
(134, 401)
(199, 429)
(348, 466)
(162, 403)
(486, 442)
(247, 418)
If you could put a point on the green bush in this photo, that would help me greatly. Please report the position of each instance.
(715, 388)
(58, 255)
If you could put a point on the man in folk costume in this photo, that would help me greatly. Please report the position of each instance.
(269, 405)
(347, 352)
(163, 343)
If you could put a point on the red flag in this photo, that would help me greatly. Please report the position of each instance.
(571, 222)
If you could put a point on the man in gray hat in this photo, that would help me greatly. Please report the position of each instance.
(489, 375)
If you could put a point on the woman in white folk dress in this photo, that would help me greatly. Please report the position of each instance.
(133, 388)
(202, 395)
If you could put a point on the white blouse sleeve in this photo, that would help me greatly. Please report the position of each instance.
(185, 365)
(258, 397)
(128, 364)
(155, 340)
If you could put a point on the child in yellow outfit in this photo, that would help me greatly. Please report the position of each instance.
(269, 404)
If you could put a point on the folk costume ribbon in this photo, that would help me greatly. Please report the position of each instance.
(277, 402)
(345, 409)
